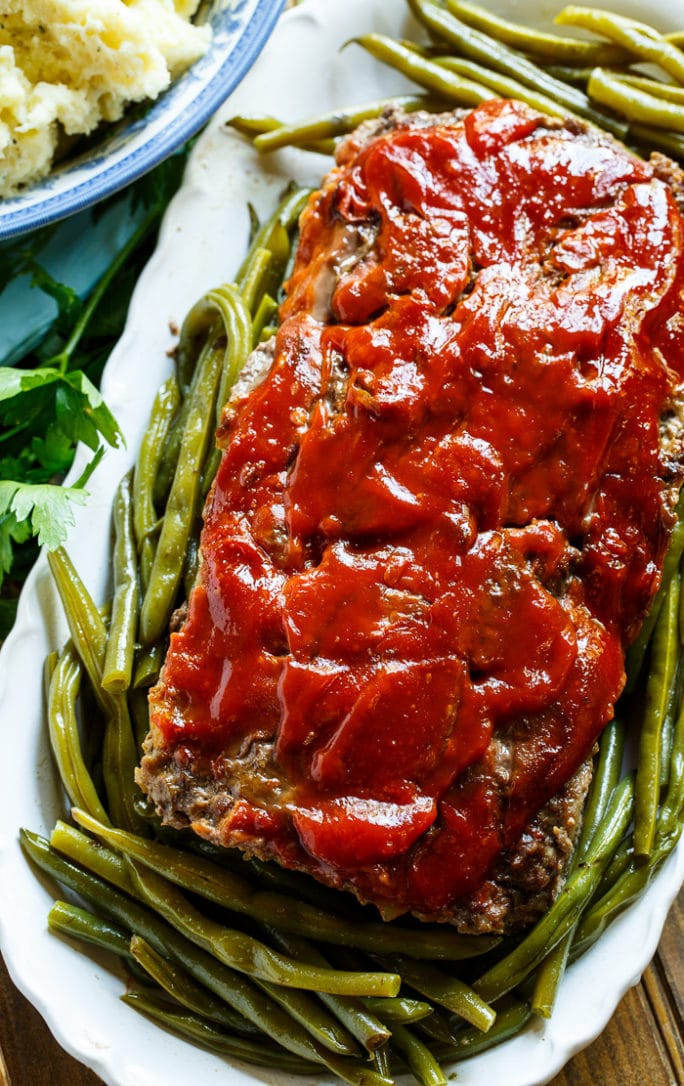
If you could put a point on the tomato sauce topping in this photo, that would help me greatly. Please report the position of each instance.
(440, 519)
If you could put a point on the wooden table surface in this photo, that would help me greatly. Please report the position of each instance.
(642, 1046)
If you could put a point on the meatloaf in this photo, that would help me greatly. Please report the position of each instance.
(441, 513)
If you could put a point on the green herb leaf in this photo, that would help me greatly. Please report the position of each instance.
(69, 304)
(11, 531)
(49, 400)
(46, 508)
(81, 412)
(54, 452)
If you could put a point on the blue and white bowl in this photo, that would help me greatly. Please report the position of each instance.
(239, 31)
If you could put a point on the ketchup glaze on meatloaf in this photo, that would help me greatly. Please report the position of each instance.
(440, 516)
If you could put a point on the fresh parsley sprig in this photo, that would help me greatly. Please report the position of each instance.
(50, 401)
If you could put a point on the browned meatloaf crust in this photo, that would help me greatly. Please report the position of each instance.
(240, 778)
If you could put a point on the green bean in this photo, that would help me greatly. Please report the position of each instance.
(670, 813)
(361, 1023)
(58, 742)
(447, 991)
(119, 759)
(307, 1010)
(86, 623)
(320, 147)
(84, 620)
(668, 731)
(148, 663)
(633, 103)
(438, 1030)
(382, 1060)
(286, 215)
(263, 270)
(550, 973)
(335, 123)
(266, 314)
(256, 125)
(615, 868)
(191, 562)
(637, 650)
(631, 883)
(266, 269)
(503, 85)
(671, 810)
(119, 754)
(579, 77)
(654, 87)
(439, 1026)
(229, 985)
(637, 38)
(669, 143)
(550, 47)
(299, 885)
(253, 124)
(87, 927)
(117, 667)
(479, 47)
(605, 780)
(425, 72)
(64, 738)
(221, 309)
(351, 1071)
(227, 302)
(510, 1019)
(160, 596)
(299, 918)
(80, 924)
(200, 1032)
(140, 715)
(184, 989)
(49, 665)
(604, 783)
(549, 976)
(150, 456)
(562, 916)
(169, 460)
(83, 851)
(659, 691)
(398, 1009)
(237, 327)
(246, 954)
(200, 325)
(418, 1056)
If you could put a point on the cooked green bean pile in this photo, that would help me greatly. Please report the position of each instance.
(471, 55)
(236, 955)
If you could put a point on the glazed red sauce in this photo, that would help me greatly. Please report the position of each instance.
(440, 519)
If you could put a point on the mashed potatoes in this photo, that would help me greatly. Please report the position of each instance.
(67, 65)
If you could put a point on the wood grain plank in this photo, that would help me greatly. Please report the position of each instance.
(630, 1051)
(32, 1056)
(670, 959)
(665, 1012)
(4, 1073)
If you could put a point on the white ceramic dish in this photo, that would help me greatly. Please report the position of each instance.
(239, 30)
(202, 241)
